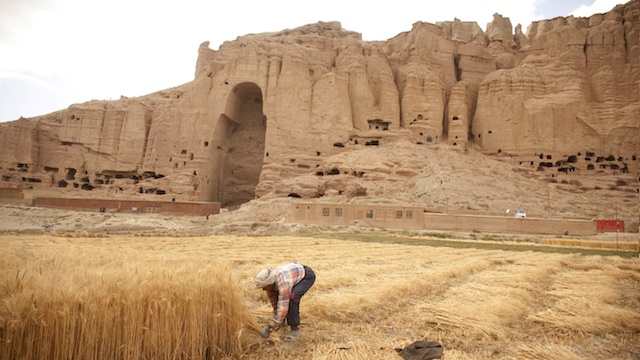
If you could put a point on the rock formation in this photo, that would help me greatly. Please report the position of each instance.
(277, 114)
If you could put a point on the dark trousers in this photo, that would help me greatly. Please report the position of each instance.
(298, 291)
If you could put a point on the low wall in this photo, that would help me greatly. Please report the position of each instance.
(141, 206)
(25, 196)
(14, 196)
(384, 216)
(11, 194)
(415, 218)
(38, 193)
(508, 224)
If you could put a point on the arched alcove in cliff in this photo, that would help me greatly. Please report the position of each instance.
(238, 146)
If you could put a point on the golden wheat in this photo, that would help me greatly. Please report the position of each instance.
(618, 245)
(112, 309)
(192, 297)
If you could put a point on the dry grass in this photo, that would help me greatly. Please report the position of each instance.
(192, 297)
(618, 245)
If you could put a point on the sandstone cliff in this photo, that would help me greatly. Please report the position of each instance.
(316, 112)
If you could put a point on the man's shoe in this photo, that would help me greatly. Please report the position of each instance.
(292, 335)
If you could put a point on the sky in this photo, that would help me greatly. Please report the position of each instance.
(55, 53)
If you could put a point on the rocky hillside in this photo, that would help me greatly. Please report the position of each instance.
(445, 115)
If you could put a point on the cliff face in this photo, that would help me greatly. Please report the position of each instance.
(271, 114)
(574, 89)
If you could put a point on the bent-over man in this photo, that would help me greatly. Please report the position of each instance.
(285, 286)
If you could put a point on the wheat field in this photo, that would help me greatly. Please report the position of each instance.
(129, 297)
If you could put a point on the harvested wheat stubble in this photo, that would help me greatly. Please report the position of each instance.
(369, 298)
(354, 350)
(596, 313)
(546, 352)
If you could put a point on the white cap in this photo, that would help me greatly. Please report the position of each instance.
(265, 277)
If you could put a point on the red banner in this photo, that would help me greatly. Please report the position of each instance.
(610, 225)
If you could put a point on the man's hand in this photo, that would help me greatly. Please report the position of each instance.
(266, 331)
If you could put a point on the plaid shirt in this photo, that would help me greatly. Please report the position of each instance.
(287, 275)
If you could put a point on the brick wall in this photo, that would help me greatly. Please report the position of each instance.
(163, 207)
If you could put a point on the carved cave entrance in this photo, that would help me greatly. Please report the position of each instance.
(239, 146)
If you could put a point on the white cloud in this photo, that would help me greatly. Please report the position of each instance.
(598, 7)
(23, 76)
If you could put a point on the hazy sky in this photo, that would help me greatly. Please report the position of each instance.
(54, 53)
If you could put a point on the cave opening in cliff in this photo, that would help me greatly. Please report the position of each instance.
(242, 127)
(71, 174)
(378, 124)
